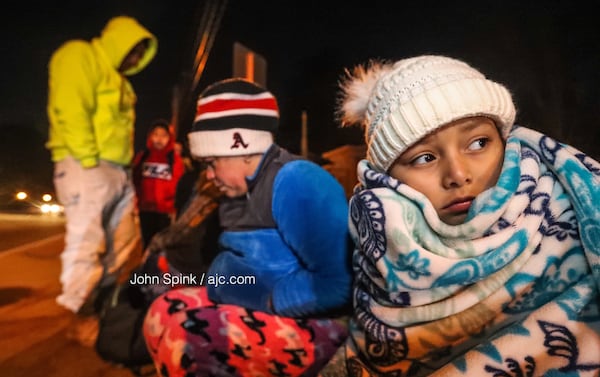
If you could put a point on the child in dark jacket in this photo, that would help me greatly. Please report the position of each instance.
(156, 171)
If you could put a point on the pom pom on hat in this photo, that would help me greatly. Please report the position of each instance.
(358, 88)
(234, 117)
(398, 104)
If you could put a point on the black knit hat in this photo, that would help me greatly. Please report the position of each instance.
(234, 117)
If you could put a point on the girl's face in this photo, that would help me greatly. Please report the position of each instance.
(453, 165)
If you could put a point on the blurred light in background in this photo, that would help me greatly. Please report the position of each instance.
(47, 205)
(51, 208)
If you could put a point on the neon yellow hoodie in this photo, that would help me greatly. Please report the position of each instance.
(91, 106)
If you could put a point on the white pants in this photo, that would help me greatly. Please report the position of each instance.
(102, 227)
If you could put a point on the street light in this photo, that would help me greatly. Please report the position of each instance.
(46, 206)
(50, 208)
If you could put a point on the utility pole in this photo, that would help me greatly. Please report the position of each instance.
(304, 138)
(184, 93)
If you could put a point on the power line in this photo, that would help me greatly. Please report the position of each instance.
(215, 11)
(208, 27)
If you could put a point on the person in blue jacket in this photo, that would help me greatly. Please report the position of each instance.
(274, 298)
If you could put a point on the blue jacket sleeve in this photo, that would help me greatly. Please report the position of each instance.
(311, 212)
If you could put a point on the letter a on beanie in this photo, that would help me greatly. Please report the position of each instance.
(234, 117)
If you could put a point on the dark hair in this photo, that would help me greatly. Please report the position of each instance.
(160, 123)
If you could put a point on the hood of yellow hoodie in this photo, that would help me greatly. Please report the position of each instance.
(120, 35)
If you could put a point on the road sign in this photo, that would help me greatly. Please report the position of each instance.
(249, 65)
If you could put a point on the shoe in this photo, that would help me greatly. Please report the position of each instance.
(83, 329)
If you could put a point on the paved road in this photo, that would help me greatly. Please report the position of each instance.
(33, 342)
(20, 229)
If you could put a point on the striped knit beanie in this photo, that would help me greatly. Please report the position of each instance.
(234, 117)
(400, 103)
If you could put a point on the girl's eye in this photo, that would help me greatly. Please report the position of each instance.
(479, 143)
(422, 159)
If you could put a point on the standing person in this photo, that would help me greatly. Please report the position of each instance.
(91, 109)
(274, 297)
(477, 240)
(156, 171)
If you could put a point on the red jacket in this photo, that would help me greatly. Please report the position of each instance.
(155, 175)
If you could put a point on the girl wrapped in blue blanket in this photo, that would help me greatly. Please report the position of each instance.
(477, 240)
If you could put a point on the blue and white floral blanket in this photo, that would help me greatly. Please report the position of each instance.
(513, 291)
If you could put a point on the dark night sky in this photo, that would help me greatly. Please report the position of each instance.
(546, 52)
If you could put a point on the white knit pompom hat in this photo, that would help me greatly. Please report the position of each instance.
(400, 103)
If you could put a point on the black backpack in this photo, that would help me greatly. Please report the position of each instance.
(189, 244)
(120, 339)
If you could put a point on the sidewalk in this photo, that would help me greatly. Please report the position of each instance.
(33, 342)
